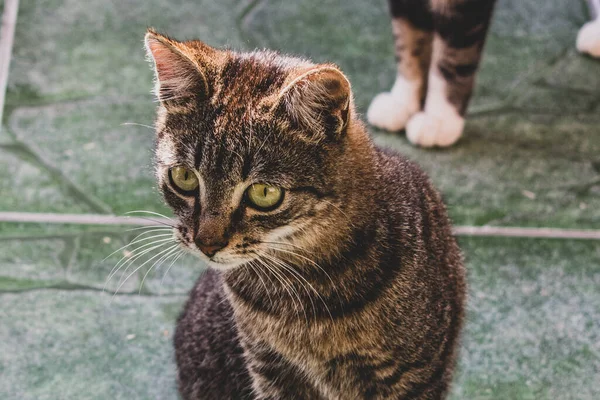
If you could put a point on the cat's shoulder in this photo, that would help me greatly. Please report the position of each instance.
(399, 170)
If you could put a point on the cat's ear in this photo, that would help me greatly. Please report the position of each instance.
(178, 70)
(318, 100)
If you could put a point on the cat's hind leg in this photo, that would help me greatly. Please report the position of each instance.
(412, 26)
(460, 28)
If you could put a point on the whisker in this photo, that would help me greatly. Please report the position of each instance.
(297, 275)
(282, 269)
(263, 143)
(257, 272)
(147, 227)
(181, 252)
(267, 275)
(133, 257)
(160, 260)
(333, 285)
(142, 247)
(287, 286)
(340, 210)
(134, 241)
(136, 124)
(138, 268)
(303, 257)
(287, 244)
(148, 212)
(157, 221)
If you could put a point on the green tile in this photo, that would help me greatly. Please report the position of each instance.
(355, 35)
(551, 18)
(525, 38)
(175, 278)
(88, 142)
(532, 331)
(67, 49)
(26, 230)
(529, 157)
(533, 326)
(86, 345)
(543, 98)
(94, 266)
(576, 72)
(27, 187)
(26, 264)
(510, 65)
(517, 169)
(100, 260)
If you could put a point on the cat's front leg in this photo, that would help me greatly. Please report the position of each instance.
(460, 28)
(412, 27)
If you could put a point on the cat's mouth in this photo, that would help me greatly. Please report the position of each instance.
(234, 255)
(220, 261)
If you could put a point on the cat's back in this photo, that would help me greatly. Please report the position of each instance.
(419, 223)
(406, 188)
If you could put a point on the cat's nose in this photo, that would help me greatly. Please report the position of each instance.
(212, 234)
(209, 246)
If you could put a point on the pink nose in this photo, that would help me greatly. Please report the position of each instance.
(209, 248)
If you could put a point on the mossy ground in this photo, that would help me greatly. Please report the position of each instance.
(530, 156)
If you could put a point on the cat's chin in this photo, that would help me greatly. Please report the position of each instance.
(224, 266)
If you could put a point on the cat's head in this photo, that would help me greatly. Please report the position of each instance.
(253, 150)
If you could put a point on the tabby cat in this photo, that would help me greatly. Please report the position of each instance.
(438, 47)
(333, 270)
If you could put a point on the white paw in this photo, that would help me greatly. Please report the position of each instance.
(392, 110)
(588, 39)
(428, 130)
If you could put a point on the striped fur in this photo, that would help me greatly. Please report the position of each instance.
(352, 288)
(438, 46)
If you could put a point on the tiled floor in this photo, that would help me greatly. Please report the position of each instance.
(530, 157)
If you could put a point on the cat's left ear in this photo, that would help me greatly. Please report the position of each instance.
(318, 100)
(178, 70)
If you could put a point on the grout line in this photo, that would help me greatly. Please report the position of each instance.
(23, 151)
(507, 231)
(97, 219)
(7, 36)
(67, 286)
(80, 219)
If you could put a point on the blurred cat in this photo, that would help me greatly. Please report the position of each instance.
(438, 47)
(588, 39)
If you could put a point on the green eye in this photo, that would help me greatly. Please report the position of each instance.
(264, 197)
(183, 179)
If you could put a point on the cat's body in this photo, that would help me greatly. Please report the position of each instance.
(388, 339)
(438, 46)
(340, 277)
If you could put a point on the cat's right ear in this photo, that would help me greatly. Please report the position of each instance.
(179, 76)
(318, 100)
